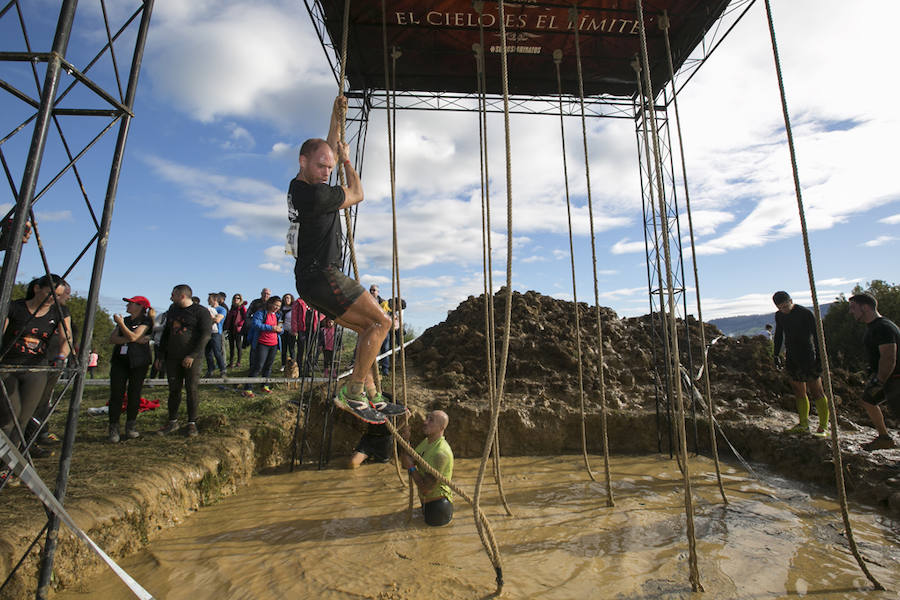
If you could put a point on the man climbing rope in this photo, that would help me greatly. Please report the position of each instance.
(436, 498)
(316, 240)
(796, 327)
(881, 340)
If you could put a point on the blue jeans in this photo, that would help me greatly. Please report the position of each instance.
(214, 354)
(263, 357)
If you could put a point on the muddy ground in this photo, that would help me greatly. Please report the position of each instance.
(123, 494)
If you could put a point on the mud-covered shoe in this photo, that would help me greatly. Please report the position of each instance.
(798, 428)
(358, 405)
(388, 409)
(191, 430)
(131, 431)
(168, 428)
(882, 442)
(113, 436)
(821, 434)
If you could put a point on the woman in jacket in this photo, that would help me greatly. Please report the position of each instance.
(129, 363)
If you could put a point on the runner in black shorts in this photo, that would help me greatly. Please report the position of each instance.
(316, 240)
(795, 326)
(373, 446)
(881, 340)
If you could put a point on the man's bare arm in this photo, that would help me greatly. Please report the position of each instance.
(887, 361)
(353, 191)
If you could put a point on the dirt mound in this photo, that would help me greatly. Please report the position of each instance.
(753, 400)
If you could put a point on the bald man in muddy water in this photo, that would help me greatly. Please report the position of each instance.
(314, 212)
(795, 327)
(436, 497)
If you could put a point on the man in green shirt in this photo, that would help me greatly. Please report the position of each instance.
(436, 498)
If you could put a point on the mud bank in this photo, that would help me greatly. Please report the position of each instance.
(132, 513)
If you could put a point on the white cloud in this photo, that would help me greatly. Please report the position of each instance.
(53, 215)
(239, 138)
(881, 240)
(231, 58)
(624, 246)
(272, 267)
(250, 207)
(891, 220)
(235, 231)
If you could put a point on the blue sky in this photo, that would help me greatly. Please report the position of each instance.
(229, 89)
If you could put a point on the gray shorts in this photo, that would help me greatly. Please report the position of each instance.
(328, 290)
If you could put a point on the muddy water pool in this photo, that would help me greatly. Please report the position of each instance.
(344, 534)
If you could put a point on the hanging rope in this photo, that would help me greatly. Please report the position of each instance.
(673, 363)
(488, 539)
(394, 264)
(557, 59)
(376, 374)
(664, 25)
(820, 332)
(573, 19)
(483, 525)
(490, 344)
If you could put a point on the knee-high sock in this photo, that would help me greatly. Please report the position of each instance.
(803, 410)
(822, 409)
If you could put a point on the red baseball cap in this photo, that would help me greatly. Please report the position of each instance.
(138, 300)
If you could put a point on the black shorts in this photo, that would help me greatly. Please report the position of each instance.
(437, 512)
(328, 290)
(890, 395)
(804, 368)
(376, 447)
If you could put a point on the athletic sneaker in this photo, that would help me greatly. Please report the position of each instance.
(386, 408)
(882, 442)
(798, 428)
(167, 428)
(113, 434)
(191, 430)
(131, 431)
(266, 389)
(821, 434)
(248, 394)
(358, 405)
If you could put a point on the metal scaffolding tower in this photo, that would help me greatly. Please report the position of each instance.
(67, 100)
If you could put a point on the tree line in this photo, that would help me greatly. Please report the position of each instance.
(843, 335)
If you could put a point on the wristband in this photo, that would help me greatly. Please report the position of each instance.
(411, 470)
(59, 356)
(347, 162)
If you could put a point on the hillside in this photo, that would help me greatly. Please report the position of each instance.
(751, 324)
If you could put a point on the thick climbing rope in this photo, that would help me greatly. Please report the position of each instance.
(485, 531)
(391, 132)
(557, 59)
(489, 541)
(573, 19)
(673, 341)
(490, 342)
(376, 374)
(820, 332)
(664, 25)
